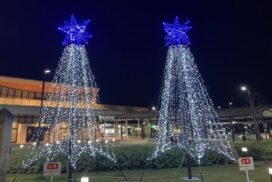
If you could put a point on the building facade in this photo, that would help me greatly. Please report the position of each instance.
(22, 97)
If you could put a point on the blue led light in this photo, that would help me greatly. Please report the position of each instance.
(177, 33)
(76, 32)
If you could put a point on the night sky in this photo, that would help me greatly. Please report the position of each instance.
(231, 42)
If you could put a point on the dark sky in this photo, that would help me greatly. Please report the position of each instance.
(231, 42)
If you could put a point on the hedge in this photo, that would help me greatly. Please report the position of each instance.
(128, 157)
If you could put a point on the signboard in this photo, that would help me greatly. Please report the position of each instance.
(52, 168)
(246, 163)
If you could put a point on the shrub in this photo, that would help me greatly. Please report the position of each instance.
(134, 157)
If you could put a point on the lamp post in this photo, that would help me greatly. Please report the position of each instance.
(251, 101)
(45, 73)
(231, 125)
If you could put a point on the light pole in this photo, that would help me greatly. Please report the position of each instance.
(45, 73)
(251, 102)
(231, 126)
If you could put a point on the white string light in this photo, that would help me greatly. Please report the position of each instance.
(187, 117)
(71, 104)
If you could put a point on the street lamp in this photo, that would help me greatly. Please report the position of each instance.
(243, 88)
(231, 126)
(244, 149)
(153, 108)
(45, 73)
(251, 102)
(230, 104)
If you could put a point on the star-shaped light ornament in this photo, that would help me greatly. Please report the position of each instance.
(176, 33)
(76, 32)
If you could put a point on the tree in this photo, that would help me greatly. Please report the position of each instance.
(253, 100)
(71, 103)
(186, 112)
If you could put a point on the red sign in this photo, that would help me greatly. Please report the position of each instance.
(245, 160)
(51, 168)
(246, 163)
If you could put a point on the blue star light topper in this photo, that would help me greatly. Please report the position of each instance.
(176, 33)
(76, 32)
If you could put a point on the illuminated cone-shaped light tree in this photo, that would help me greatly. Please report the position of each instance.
(71, 103)
(186, 114)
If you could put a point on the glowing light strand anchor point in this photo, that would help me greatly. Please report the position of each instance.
(76, 32)
(176, 33)
(71, 104)
(187, 118)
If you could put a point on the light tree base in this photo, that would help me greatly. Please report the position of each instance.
(193, 179)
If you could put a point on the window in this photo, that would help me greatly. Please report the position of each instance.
(4, 92)
(11, 93)
(25, 94)
(31, 133)
(31, 95)
(18, 93)
(29, 120)
(38, 95)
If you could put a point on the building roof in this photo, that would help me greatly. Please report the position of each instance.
(244, 112)
(118, 112)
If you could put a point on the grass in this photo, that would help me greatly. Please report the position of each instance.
(216, 173)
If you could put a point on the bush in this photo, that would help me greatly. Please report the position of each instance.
(128, 157)
(261, 150)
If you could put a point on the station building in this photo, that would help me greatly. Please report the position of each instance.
(22, 98)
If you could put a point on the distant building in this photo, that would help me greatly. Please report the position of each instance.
(239, 120)
(22, 97)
